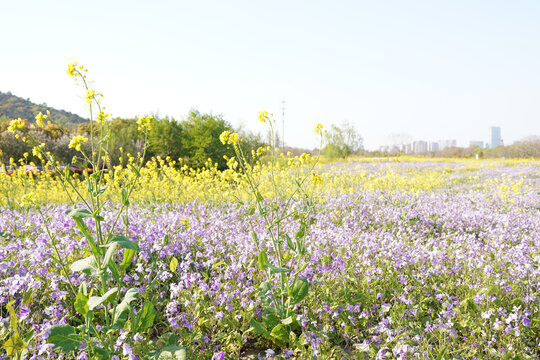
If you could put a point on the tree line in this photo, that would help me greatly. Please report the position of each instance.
(195, 140)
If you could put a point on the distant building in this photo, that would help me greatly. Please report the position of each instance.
(419, 147)
(474, 143)
(443, 144)
(495, 136)
(384, 148)
(433, 146)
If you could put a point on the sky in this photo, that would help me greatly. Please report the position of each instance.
(430, 69)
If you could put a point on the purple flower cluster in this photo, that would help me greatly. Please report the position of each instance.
(459, 263)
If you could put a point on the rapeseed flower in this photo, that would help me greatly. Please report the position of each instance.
(264, 116)
(76, 142)
(90, 94)
(39, 118)
(72, 69)
(144, 123)
(15, 125)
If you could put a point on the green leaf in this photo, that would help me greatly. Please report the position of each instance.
(168, 339)
(263, 260)
(125, 242)
(14, 344)
(277, 270)
(64, 337)
(114, 271)
(265, 294)
(126, 261)
(301, 233)
(174, 264)
(120, 315)
(14, 319)
(146, 316)
(441, 354)
(259, 328)
(299, 246)
(108, 297)
(280, 333)
(291, 320)
(299, 290)
(101, 191)
(86, 232)
(135, 170)
(88, 265)
(79, 213)
(172, 352)
(258, 196)
(290, 243)
(81, 303)
(254, 237)
(101, 354)
(109, 254)
(125, 197)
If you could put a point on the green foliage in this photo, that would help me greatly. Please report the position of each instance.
(166, 138)
(13, 107)
(342, 141)
(202, 133)
(283, 288)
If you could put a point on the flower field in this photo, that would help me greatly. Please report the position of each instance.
(396, 260)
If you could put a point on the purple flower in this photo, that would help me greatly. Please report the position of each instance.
(218, 356)
(525, 321)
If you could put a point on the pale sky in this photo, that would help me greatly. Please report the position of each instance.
(432, 69)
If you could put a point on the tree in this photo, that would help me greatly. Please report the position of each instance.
(342, 141)
(201, 133)
(165, 138)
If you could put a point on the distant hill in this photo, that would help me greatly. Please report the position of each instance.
(14, 107)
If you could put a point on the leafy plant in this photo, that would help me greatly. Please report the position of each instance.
(104, 308)
(279, 298)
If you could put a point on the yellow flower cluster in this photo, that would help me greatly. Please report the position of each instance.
(318, 129)
(75, 70)
(145, 123)
(101, 117)
(76, 142)
(264, 116)
(15, 125)
(41, 117)
(227, 137)
(72, 69)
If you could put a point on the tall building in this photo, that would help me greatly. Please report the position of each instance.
(433, 146)
(443, 144)
(474, 143)
(419, 146)
(495, 136)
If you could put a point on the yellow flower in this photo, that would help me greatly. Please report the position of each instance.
(224, 137)
(72, 69)
(16, 125)
(233, 139)
(39, 118)
(90, 94)
(144, 123)
(101, 117)
(76, 142)
(260, 151)
(36, 150)
(26, 200)
(318, 129)
(316, 178)
(227, 137)
(263, 116)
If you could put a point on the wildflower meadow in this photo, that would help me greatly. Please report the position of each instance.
(279, 258)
